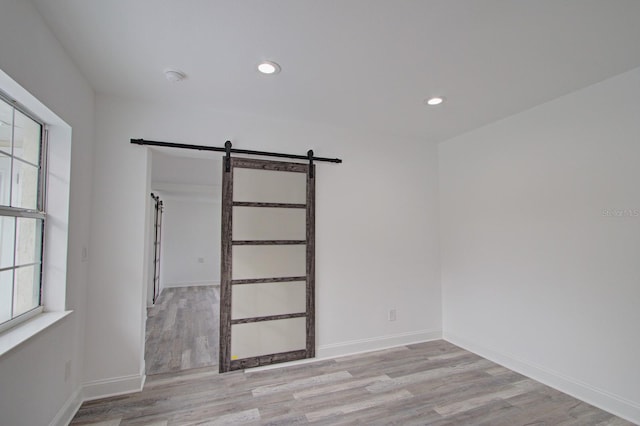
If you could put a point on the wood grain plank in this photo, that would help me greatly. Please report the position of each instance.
(268, 280)
(226, 254)
(311, 265)
(267, 242)
(268, 318)
(359, 405)
(182, 330)
(272, 205)
(239, 364)
(337, 391)
(305, 383)
(279, 166)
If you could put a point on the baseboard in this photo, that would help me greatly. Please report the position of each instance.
(68, 410)
(191, 284)
(112, 387)
(134, 383)
(353, 347)
(96, 390)
(615, 404)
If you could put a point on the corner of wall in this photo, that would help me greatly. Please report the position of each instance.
(98, 389)
(68, 410)
(600, 398)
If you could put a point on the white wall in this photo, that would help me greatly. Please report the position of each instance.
(178, 166)
(376, 229)
(190, 189)
(535, 274)
(119, 273)
(36, 369)
(190, 242)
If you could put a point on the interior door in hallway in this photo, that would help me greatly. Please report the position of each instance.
(267, 312)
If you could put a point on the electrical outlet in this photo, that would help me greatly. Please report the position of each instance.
(392, 314)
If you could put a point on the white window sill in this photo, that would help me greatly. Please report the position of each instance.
(23, 332)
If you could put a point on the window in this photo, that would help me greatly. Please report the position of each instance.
(22, 214)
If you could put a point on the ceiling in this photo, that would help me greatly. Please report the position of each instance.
(361, 64)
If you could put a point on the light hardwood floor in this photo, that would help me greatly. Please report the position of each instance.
(182, 329)
(433, 383)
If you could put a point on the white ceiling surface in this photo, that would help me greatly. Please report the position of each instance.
(364, 64)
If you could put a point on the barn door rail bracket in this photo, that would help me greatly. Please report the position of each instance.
(228, 150)
(310, 157)
(227, 156)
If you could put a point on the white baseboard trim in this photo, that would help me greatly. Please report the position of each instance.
(111, 387)
(191, 284)
(353, 347)
(68, 410)
(134, 383)
(615, 404)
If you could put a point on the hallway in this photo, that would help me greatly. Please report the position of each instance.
(182, 330)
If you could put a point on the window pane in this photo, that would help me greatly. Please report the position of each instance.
(268, 223)
(28, 241)
(25, 186)
(258, 300)
(26, 138)
(20, 238)
(6, 290)
(269, 186)
(248, 262)
(7, 232)
(6, 120)
(5, 180)
(268, 337)
(26, 289)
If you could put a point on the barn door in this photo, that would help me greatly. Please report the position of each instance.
(267, 310)
(157, 244)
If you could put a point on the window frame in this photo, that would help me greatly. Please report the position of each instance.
(40, 212)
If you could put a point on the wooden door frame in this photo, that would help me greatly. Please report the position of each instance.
(226, 282)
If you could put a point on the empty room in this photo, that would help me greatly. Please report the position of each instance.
(319, 212)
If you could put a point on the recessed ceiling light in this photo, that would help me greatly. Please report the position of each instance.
(268, 67)
(436, 100)
(174, 76)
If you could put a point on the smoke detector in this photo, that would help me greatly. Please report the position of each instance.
(174, 76)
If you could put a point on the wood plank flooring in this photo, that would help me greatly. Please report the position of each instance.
(433, 383)
(182, 329)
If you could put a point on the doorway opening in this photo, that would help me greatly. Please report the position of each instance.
(182, 327)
